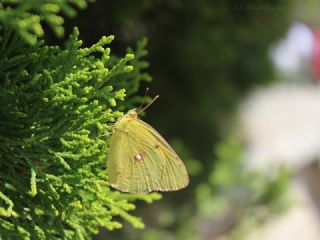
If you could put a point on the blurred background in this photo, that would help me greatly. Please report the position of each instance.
(240, 103)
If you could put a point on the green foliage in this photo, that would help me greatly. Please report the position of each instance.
(25, 17)
(131, 81)
(57, 113)
(58, 106)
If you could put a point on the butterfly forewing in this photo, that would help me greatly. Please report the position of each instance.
(141, 161)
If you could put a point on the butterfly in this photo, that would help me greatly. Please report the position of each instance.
(141, 161)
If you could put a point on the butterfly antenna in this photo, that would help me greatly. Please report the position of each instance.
(144, 98)
(154, 99)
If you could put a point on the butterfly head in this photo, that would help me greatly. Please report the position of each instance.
(132, 113)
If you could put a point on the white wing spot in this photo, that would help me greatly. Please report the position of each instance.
(139, 157)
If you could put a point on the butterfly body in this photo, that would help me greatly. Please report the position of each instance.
(141, 161)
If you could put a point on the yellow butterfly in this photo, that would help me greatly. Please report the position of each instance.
(141, 161)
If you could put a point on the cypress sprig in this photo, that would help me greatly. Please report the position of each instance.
(25, 17)
(56, 115)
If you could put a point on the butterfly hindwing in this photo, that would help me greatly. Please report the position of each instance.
(141, 161)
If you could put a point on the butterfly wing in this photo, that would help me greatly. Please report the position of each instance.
(141, 161)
